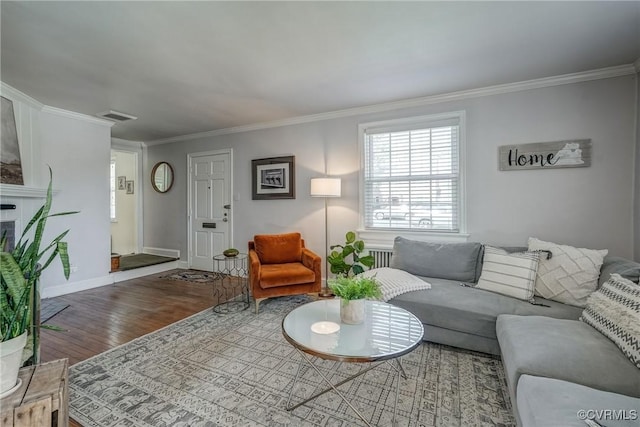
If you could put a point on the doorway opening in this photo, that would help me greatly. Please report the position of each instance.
(124, 206)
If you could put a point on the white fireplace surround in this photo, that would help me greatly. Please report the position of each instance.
(22, 191)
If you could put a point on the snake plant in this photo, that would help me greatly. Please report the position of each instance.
(20, 269)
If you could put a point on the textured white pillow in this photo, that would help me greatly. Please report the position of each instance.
(614, 310)
(571, 275)
(394, 282)
(511, 274)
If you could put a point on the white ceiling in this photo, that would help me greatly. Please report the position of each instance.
(189, 67)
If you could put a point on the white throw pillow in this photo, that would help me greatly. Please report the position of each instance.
(570, 275)
(511, 274)
(614, 310)
(394, 282)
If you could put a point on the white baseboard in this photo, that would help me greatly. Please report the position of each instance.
(118, 276)
(183, 264)
(171, 253)
(72, 287)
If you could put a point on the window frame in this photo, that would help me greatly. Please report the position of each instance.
(383, 238)
(113, 194)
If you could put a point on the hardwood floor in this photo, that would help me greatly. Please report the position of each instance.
(103, 318)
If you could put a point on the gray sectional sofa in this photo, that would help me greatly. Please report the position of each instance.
(555, 364)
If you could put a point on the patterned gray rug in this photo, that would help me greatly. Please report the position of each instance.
(237, 369)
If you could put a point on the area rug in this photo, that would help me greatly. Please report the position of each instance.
(237, 369)
(194, 276)
(50, 307)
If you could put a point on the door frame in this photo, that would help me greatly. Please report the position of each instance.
(190, 158)
(137, 149)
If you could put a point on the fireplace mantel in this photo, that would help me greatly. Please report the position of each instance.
(10, 190)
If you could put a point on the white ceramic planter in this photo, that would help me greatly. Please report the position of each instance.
(10, 358)
(352, 311)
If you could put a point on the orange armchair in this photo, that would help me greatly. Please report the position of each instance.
(280, 265)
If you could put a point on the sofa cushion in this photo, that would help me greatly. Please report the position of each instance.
(570, 275)
(546, 402)
(567, 350)
(614, 310)
(630, 270)
(471, 310)
(510, 274)
(453, 261)
(278, 248)
(274, 275)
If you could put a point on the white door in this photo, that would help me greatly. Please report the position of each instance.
(210, 208)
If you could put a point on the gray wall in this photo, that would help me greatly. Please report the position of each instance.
(636, 196)
(589, 207)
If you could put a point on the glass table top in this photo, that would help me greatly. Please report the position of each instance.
(387, 331)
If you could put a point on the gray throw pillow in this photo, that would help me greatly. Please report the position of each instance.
(628, 269)
(453, 261)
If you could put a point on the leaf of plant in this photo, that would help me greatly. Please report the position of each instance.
(348, 250)
(64, 258)
(351, 236)
(358, 245)
(357, 269)
(12, 276)
(368, 260)
(54, 328)
(63, 213)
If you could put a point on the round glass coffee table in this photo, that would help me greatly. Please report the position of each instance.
(387, 333)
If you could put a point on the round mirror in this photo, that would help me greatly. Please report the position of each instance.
(162, 177)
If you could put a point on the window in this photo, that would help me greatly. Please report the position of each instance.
(412, 174)
(113, 190)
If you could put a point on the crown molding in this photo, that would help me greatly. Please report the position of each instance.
(14, 94)
(604, 73)
(76, 116)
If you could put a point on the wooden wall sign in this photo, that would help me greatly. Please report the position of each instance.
(545, 155)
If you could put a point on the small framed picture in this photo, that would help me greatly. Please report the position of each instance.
(273, 178)
(129, 187)
(122, 183)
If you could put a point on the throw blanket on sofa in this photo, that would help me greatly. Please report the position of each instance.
(394, 282)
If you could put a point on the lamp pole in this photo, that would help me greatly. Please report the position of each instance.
(325, 188)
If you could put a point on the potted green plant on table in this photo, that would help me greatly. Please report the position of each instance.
(346, 259)
(353, 291)
(20, 271)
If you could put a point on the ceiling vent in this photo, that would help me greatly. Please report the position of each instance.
(116, 116)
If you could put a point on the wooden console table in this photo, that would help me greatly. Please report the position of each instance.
(42, 394)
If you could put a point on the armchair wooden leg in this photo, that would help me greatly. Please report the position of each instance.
(258, 301)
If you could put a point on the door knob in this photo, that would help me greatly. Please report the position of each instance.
(224, 219)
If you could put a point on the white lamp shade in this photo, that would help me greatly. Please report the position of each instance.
(326, 187)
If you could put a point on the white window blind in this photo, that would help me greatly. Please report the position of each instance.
(112, 203)
(412, 175)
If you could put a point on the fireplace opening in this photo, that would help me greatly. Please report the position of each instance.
(8, 230)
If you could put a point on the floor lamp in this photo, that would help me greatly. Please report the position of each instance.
(326, 187)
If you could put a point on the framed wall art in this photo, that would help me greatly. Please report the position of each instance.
(129, 187)
(273, 178)
(122, 183)
(11, 171)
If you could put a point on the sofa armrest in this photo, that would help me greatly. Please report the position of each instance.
(312, 261)
(254, 269)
